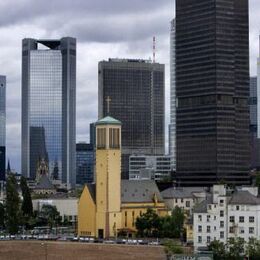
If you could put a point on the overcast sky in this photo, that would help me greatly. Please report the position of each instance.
(103, 28)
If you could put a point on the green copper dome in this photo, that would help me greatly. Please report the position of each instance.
(108, 120)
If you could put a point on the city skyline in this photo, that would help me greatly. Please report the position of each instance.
(124, 41)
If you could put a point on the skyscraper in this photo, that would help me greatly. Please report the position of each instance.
(212, 87)
(49, 107)
(2, 126)
(254, 141)
(133, 92)
(172, 126)
(84, 163)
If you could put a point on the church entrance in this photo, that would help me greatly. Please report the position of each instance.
(101, 233)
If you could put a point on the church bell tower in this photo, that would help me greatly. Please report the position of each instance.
(108, 177)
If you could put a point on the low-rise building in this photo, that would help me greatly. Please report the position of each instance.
(66, 206)
(184, 197)
(148, 167)
(225, 214)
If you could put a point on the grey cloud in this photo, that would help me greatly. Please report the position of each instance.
(13, 11)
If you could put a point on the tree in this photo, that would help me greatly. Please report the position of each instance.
(50, 215)
(148, 224)
(235, 248)
(27, 207)
(13, 213)
(218, 249)
(177, 221)
(253, 249)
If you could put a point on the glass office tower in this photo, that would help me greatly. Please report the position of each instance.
(2, 126)
(212, 89)
(133, 92)
(84, 163)
(49, 107)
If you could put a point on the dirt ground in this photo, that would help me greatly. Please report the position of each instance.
(37, 250)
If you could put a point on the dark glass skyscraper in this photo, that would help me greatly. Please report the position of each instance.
(133, 92)
(254, 141)
(49, 107)
(2, 126)
(212, 87)
(85, 163)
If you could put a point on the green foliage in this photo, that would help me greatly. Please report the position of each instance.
(177, 222)
(150, 224)
(253, 249)
(27, 207)
(171, 248)
(235, 248)
(232, 250)
(50, 215)
(13, 213)
(218, 249)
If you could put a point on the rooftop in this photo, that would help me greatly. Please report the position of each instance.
(108, 120)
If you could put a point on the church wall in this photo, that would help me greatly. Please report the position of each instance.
(86, 215)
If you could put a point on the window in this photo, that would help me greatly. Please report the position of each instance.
(215, 217)
(208, 240)
(231, 230)
(114, 138)
(221, 224)
(237, 207)
(221, 202)
(187, 204)
(221, 234)
(200, 218)
(199, 228)
(251, 219)
(176, 200)
(101, 138)
(208, 218)
(251, 230)
(199, 239)
(215, 228)
(232, 219)
(208, 229)
(209, 207)
(221, 213)
(241, 230)
(181, 200)
(241, 219)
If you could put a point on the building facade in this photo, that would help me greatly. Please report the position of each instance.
(212, 89)
(148, 167)
(2, 127)
(254, 141)
(84, 163)
(133, 91)
(172, 126)
(225, 215)
(49, 107)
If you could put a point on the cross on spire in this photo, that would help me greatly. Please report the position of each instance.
(108, 100)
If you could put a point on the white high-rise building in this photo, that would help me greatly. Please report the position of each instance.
(172, 126)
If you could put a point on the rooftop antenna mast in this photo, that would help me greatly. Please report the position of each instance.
(154, 49)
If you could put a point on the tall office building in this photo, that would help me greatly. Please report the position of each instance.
(133, 92)
(254, 141)
(172, 126)
(49, 107)
(2, 126)
(84, 163)
(212, 88)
